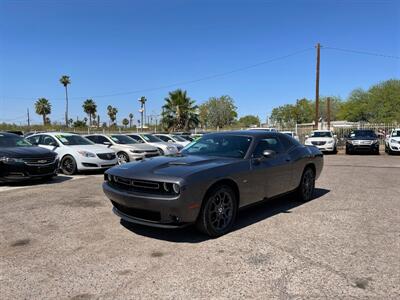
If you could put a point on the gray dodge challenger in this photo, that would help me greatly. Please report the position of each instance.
(211, 179)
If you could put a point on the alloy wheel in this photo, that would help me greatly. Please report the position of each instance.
(220, 210)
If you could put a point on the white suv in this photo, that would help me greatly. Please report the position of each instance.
(392, 142)
(127, 149)
(324, 140)
(75, 152)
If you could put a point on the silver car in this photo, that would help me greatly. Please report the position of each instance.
(127, 149)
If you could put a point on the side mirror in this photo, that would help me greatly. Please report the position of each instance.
(268, 153)
(307, 136)
(53, 144)
(335, 136)
(388, 136)
(107, 144)
(170, 141)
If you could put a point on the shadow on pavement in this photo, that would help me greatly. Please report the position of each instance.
(33, 182)
(246, 217)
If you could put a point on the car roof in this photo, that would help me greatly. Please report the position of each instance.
(2, 133)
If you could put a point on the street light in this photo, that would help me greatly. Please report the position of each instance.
(142, 109)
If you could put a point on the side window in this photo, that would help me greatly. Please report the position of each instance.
(101, 140)
(34, 139)
(92, 138)
(136, 138)
(271, 143)
(288, 142)
(48, 141)
(163, 138)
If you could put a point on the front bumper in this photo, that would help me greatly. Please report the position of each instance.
(362, 148)
(395, 147)
(166, 211)
(94, 163)
(16, 172)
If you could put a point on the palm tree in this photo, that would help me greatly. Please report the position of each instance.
(130, 120)
(112, 114)
(179, 111)
(43, 108)
(64, 80)
(90, 108)
(125, 122)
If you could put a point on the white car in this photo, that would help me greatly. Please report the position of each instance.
(392, 142)
(292, 134)
(172, 138)
(75, 152)
(163, 147)
(324, 140)
(127, 149)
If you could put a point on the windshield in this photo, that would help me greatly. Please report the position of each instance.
(151, 138)
(363, 133)
(396, 133)
(289, 134)
(220, 145)
(122, 139)
(73, 140)
(178, 138)
(13, 141)
(321, 134)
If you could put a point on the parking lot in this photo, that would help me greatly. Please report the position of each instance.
(61, 240)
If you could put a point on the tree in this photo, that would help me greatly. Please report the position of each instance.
(65, 81)
(179, 112)
(249, 120)
(90, 108)
(79, 124)
(43, 108)
(125, 122)
(130, 120)
(218, 111)
(112, 114)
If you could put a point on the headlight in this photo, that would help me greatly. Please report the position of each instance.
(170, 148)
(307, 142)
(350, 142)
(6, 160)
(330, 142)
(392, 141)
(110, 177)
(87, 154)
(176, 188)
(136, 151)
(375, 142)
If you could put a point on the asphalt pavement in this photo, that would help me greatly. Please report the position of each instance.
(60, 240)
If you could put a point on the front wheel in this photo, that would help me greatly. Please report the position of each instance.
(123, 158)
(161, 151)
(218, 212)
(68, 165)
(307, 185)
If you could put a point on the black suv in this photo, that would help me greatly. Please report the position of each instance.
(364, 140)
(20, 160)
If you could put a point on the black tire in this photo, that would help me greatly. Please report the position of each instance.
(305, 191)
(218, 212)
(348, 151)
(68, 165)
(123, 158)
(161, 151)
(335, 150)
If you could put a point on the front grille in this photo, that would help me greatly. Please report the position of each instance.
(143, 214)
(106, 156)
(318, 143)
(140, 186)
(152, 153)
(39, 161)
(37, 170)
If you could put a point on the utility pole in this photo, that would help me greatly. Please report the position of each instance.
(328, 110)
(317, 88)
(142, 101)
(29, 120)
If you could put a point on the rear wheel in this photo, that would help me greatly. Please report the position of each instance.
(123, 158)
(68, 165)
(307, 185)
(218, 212)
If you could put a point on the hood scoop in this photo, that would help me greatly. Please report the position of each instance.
(179, 163)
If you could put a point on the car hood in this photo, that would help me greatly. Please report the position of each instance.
(91, 148)
(315, 139)
(143, 147)
(396, 138)
(26, 152)
(168, 167)
(163, 144)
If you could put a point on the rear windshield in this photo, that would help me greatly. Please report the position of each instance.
(13, 141)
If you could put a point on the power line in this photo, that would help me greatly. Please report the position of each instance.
(360, 52)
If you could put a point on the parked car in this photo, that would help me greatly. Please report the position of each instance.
(392, 142)
(186, 135)
(17, 132)
(363, 140)
(127, 149)
(211, 179)
(172, 138)
(292, 134)
(163, 147)
(76, 153)
(324, 140)
(20, 160)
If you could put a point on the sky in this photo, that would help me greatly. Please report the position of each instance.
(116, 51)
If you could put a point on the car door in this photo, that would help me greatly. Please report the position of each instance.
(274, 173)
